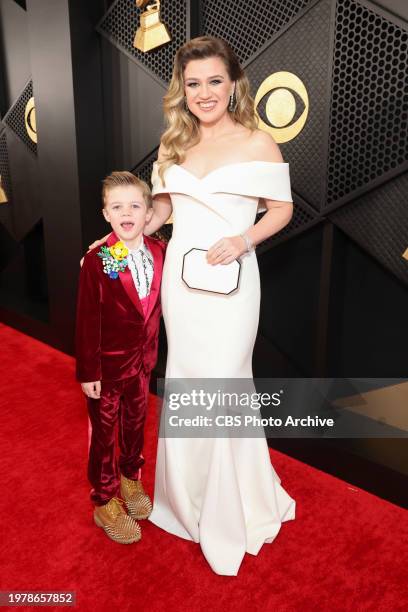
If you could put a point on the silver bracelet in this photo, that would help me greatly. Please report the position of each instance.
(249, 244)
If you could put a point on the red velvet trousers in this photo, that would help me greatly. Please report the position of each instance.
(122, 406)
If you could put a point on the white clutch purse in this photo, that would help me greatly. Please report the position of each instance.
(200, 275)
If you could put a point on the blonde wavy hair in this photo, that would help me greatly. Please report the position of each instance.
(182, 126)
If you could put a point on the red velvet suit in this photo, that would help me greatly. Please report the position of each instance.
(116, 344)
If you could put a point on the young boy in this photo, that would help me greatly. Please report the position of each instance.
(117, 334)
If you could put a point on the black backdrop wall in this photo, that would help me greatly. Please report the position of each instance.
(334, 282)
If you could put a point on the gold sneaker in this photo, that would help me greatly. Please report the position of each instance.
(137, 501)
(116, 523)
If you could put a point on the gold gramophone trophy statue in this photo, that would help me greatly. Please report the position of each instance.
(152, 32)
(3, 196)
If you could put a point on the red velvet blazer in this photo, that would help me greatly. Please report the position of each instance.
(113, 338)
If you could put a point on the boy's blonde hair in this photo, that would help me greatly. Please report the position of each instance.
(124, 178)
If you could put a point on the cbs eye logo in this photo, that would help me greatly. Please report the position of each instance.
(30, 122)
(280, 107)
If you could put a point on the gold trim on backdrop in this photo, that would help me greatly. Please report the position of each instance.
(405, 254)
(30, 121)
(281, 105)
(3, 195)
(152, 32)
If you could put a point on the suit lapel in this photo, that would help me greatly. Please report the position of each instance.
(157, 254)
(127, 280)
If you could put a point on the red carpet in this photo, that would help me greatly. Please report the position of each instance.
(346, 550)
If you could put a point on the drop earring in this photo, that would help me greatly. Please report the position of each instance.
(232, 103)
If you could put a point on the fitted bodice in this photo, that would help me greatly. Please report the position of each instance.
(222, 203)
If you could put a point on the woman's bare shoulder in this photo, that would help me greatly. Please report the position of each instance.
(263, 147)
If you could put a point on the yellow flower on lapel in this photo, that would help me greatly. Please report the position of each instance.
(119, 251)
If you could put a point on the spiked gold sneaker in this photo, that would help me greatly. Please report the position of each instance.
(137, 501)
(117, 524)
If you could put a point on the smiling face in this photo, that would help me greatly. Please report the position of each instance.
(127, 212)
(208, 88)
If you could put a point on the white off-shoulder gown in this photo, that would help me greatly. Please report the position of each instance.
(221, 492)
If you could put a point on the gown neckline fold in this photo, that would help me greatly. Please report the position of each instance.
(225, 166)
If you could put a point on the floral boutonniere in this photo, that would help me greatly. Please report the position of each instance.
(114, 259)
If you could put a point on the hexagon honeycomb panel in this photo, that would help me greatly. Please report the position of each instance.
(376, 221)
(369, 99)
(4, 166)
(247, 26)
(14, 118)
(307, 152)
(144, 171)
(145, 168)
(121, 21)
(303, 218)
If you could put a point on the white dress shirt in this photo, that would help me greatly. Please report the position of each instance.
(140, 262)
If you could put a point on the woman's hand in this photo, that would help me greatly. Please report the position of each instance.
(226, 250)
(94, 245)
(98, 242)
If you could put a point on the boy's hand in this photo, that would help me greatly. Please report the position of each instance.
(92, 389)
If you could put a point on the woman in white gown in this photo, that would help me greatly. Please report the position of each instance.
(214, 171)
